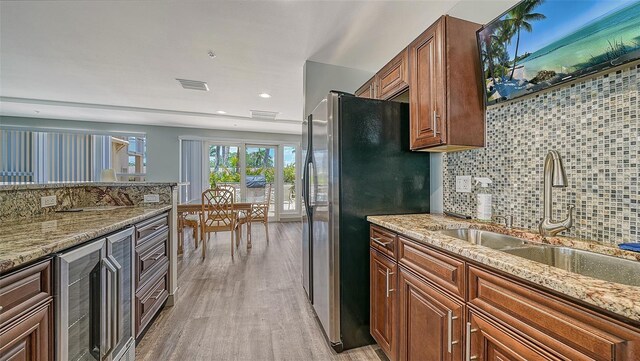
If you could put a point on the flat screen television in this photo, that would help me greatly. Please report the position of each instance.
(541, 43)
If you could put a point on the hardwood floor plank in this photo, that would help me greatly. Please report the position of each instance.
(251, 308)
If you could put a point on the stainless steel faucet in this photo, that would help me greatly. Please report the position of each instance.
(554, 176)
(508, 220)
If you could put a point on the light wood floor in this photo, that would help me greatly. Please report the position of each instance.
(253, 308)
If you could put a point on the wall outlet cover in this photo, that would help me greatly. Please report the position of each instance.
(151, 198)
(463, 184)
(48, 201)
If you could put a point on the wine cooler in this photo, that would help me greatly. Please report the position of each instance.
(94, 289)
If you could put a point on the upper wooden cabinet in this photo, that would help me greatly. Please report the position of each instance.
(447, 112)
(393, 78)
(367, 90)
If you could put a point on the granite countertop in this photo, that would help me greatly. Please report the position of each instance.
(28, 186)
(27, 240)
(617, 298)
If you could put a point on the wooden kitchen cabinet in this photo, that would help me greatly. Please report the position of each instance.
(393, 78)
(490, 342)
(429, 321)
(446, 106)
(445, 302)
(151, 267)
(383, 311)
(26, 316)
(367, 90)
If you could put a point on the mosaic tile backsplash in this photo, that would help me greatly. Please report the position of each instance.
(594, 125)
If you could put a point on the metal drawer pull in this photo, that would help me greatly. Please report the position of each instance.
(158, 227)
(389, 290)
(380, 243)
(450, 342)
(468, 342)
(156, 295)
(435, 123)
(157, 256)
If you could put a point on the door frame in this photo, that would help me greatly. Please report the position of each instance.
(280, 213)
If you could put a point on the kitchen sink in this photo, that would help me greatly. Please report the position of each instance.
(485, 238)
(586, 263)
(590, 264)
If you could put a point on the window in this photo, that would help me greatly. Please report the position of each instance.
(36, 156)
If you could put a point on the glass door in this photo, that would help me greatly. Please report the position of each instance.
(260, 175)
(224, 168)
(120, 254)
(81, 303)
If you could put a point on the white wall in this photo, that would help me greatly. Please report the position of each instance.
(163, 147)
(321, 78)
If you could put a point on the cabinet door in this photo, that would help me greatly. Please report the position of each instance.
(383, 302)
(368, 90)
(393, 77)
(428, 87)
(28, 338)
(430, 321)
(489, 342)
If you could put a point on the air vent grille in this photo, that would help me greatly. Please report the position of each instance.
(193, 84)
(263, 114)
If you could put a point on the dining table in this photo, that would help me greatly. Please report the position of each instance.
(195, 208)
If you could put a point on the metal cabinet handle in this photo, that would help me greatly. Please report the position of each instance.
(116, 296)
(156, 256)
(435, 122)
(389, 290)
(108, 319)
(158, 227)
(380, 243)
(450, 342)
(468, 342)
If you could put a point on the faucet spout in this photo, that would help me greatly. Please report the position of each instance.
(554, 176)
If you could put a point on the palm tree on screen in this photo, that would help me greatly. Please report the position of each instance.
(520, 17)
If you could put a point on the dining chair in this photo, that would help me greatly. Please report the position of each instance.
(218, 214)
(188, 219)
(259, 213)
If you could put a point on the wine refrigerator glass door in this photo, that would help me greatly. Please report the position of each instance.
(120, 255)
(82, 303)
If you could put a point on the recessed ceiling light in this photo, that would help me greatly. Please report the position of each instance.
(264, 95)
(36, 111)
(221, 112)
(211, 54)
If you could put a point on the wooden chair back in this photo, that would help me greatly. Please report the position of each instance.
(217, 209)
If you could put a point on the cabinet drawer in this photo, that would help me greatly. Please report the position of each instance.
(24, 289)
(149, 256)
(383, 240)
(150, 300)
(569, 330)
(29, 337)
(146, 229)
(438, 267)
(393, 78)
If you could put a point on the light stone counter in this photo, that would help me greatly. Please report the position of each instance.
(617, 298)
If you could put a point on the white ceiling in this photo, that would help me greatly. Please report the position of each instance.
(117, 60)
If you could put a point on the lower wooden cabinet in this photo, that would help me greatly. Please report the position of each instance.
(429, 321)
(29, 337)
(449, 308)
(383, 302)
(487, 341)
(26, 315)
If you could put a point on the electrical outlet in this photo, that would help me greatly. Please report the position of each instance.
(463, 184)
(48, 201)
(151, 198)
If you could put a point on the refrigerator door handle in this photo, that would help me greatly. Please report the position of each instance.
(108, 315)
(116, 296)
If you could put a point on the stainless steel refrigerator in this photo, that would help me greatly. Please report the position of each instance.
(357, 163)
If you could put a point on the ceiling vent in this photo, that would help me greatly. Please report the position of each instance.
(193, 84)
(263, 114)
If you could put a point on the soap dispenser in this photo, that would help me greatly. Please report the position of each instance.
(484, 199)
